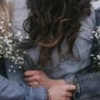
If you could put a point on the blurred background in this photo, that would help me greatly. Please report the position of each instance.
(96, 3)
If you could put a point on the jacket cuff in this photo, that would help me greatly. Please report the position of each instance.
(37, 93)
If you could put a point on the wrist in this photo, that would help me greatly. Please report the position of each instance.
(50, 83)
(53, 82)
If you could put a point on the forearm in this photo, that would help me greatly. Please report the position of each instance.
(13, 91)
(71, 79)
(53, 82)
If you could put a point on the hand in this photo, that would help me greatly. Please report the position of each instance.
(39, 78)
(61, 92)
(36, 78)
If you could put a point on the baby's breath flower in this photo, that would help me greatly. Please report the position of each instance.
(9, 45)
(91, 37)
(11, 66)
(92, 55)
(9, 24)
(20, 67)
(14, 71)
(95, 51)
(9, 70)
(98, 57)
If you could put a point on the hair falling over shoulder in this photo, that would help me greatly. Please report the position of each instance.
(51, 21)
(4, 15)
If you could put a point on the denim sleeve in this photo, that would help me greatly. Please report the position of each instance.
(10, 90)
(97, 16)
(81, 50)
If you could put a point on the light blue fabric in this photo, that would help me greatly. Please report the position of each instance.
(10, 90)
(98, 16)
(15, 88)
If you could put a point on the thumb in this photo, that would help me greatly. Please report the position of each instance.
(70, 87)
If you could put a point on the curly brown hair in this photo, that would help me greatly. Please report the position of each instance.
(51, 21)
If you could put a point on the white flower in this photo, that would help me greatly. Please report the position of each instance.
(9, 24)
(98, 56)
(27, 37)
(9, 70)
(20, 40)
(20, 67)
(96, 35)
(13, 57)
(1, 27)
(2, 22)
(14, 71)
(92, 55)
(3, 30)
(18, 34)
(10, 34)
(20, 58)
(91, 37)
(94, 58)
(93, 31)
(11, 66)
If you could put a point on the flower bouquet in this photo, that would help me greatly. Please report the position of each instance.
(12, 48)
(95, 51)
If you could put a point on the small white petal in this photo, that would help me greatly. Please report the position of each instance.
(27, 37)
(93, 31)
(3, 30)
(2, 22)
(11, 66)
(94, 58)
(9, 70)
(91, 37)
(20, 67)
(9, 24)
(14, 71)
(92, 55)
(24, 52)
(1, 27)
(18, 34)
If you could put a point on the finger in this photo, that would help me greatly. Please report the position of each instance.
(31, 73)
(29, 79)
(28, 73)
(37, 77)
(33, 78)
(68, 94)
(70, 87)
(32, 84)
(68, 99)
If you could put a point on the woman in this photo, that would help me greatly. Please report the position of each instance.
(60, 32)
(13, 87)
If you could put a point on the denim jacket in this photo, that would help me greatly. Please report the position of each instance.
(88, 84)
(88, 87)
(97, 17)
(14, 87)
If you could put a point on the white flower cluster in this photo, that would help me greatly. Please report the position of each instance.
(9, 45)
(96, 33)
(9, 49)
(96, 47)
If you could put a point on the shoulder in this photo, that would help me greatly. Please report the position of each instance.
(90, 21)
